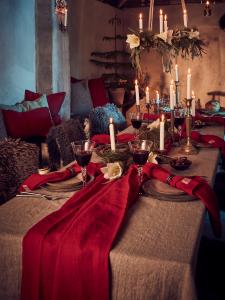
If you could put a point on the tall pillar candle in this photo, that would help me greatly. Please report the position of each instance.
(193, 104)
(160, 21)
(137, 93)
(189, 84)
(165, 23)
(176, 73)
(147, 96)
(185, 18)
(112, 135)
(161, 132)
(171, 95)
(65, 17)
(140, 22)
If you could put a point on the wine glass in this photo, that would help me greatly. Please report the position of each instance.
(179, 117)
(83, 151)
(140, 150)
(136, 121)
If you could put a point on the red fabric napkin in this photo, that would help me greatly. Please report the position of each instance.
(154, 117)
(210, 139)
(66, 254)
(217, 119)
(105, 139)
(36, 180)
(193, 186)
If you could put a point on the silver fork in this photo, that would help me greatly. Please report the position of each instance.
(33, 194)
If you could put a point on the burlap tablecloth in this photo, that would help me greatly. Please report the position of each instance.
(154, 256)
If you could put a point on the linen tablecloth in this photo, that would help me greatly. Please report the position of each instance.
(154, 256)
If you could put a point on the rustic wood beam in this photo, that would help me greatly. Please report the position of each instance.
(121, 3)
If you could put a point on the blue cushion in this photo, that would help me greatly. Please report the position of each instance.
(81, 102)
(100, 118)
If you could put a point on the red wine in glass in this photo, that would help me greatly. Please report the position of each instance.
(83, 158)
(140, 157)
(136, 123)
(178, 121)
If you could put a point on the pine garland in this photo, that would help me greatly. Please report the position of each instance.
(185, 42)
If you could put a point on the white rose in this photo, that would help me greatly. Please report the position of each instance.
(133, 40)
(152, 158)
(154, 124)
(166, 36)
(112, 171)
(194, 34)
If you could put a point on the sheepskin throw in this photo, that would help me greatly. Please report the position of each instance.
(59, 142)
(18, 160)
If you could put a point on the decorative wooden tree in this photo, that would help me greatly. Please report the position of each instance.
(116, 60)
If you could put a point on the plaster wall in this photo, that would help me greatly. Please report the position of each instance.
(89, 23)
(17, 57)
(208, 72)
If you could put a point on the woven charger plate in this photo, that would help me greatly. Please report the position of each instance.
(163, 191)
(69, 185)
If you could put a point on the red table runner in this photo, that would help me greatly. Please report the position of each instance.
(66, 254)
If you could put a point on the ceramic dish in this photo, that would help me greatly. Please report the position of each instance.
(180, 163)
(165, 192)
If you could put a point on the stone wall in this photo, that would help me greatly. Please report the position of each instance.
(17, 58)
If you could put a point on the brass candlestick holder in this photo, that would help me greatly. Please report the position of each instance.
(148, 106)
(188, 148)
(138, 108)
(172, 124)
(177, 93)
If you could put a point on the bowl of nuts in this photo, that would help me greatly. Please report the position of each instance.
(180, 163)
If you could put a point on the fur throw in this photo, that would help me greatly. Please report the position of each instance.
(18, 160)
(59, 142)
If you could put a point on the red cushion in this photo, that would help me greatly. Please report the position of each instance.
(55, 102)
(35, 122)
(31, 96)
(98, 92)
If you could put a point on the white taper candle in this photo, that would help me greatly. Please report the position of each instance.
(137, 93)
(161, 132)
(112, 134)
(189, 84)
(160, 21)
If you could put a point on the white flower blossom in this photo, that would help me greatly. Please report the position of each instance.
(194, 34)
(154, 124)
(133, 40)
(152, 158)
(112, 170)
(166, 36)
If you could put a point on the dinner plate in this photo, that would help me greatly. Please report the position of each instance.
(163, 191)
(69, 185)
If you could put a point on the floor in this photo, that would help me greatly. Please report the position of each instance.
(210, 273)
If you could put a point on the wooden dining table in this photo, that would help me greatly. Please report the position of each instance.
(154, 256)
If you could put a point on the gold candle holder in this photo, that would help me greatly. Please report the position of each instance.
(138, 109)
(188, 148)
(172, 124)
(177, 93)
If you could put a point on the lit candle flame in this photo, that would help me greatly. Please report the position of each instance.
(193, 94)
(185, 11)
(136, 82)
(160, 12)
(162, 118)
(165, 17)
(140, 16)
(189, 71)
(147, 89)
